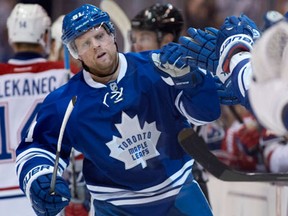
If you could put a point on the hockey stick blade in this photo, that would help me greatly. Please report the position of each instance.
(196, 147)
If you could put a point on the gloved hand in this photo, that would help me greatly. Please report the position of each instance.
(206, 48)
(173, 62)
(236, 35)
(200, 48)
(45, 204)
(234, 25)
(226, 92)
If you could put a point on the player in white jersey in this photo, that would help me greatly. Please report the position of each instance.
(24, 82)
(128, 113)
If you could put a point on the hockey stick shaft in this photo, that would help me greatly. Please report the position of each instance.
(196, 147)
(59, 143)
(74, 181)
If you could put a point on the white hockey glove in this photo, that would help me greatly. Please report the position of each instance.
(268, 92)
(172, 61)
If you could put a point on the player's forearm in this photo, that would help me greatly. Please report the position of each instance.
(31, 164)
(200, 104)
(240, 66)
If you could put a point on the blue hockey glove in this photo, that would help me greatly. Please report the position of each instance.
(201, 48)
(226, 92)
(45, 204)
(238, 25)
(237, 34)
(173, 62)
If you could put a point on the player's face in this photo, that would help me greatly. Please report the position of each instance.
(97, 49)
(144, 40)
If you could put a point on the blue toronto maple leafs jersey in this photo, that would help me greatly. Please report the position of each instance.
(127, 131)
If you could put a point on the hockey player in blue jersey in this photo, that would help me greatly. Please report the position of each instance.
(152, 28)
(247, 74)
(255, 76)
(129, 110)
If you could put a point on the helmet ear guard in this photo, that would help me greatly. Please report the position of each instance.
(28, 23)
(79, 21)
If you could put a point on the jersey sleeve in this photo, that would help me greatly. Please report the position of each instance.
(200, 104)
(37, 151)
(240, 66)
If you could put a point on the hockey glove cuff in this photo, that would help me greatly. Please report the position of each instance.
(172, 61)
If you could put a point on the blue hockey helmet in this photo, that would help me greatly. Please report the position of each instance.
(80, 21)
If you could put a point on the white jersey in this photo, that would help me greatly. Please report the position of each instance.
(23, 86)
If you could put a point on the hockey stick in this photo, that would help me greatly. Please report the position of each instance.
(195, 146)
(74, 181)
(59, 143)
(119, 18)
(72, 155)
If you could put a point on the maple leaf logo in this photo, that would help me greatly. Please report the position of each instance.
(136, 144)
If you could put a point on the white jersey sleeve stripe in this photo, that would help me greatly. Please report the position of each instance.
(36, 152)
